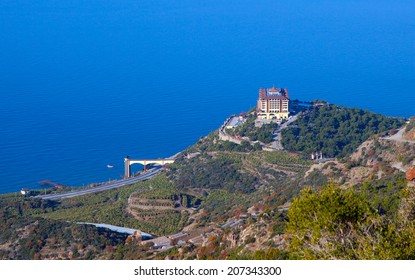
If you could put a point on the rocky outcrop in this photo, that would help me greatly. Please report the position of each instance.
(410, 135)
(410, 175)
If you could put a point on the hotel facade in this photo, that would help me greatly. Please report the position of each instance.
(273, 104)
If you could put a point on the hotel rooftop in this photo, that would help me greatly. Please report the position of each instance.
(273, 103)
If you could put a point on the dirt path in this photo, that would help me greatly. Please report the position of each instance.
(399, 137)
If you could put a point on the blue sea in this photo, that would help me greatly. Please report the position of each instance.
(85, 83)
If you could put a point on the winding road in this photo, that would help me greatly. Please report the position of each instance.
(399, 136)
(276, 143)
(149, 174)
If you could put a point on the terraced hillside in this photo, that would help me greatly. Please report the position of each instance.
(149, 206)
(159, 205)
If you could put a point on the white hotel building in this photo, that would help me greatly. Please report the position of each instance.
(273, 103)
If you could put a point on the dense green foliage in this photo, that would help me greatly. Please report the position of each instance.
(334, 130)
(221, 171)
(317, 222)
(384, 194)
(286, 161)
(26, 237)
(248, 129)
(212, 143)
(245, 146)
(343, 224)
(219, 204)
(158, 188)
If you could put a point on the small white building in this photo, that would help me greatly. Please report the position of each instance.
(160, 242)
(25, 191)
(234, 122)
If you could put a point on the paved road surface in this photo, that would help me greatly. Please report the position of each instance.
(119, 229)
(276, 144)
(151, 173)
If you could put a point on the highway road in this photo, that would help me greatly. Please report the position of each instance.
(145, 176)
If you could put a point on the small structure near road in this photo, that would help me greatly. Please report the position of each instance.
(232, 224)
(178, 236)
(25, 191)
(235, 122)
(159, 242)
(317, 156)
(166, 242)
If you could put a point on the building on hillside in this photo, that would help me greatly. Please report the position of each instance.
(234, 122)
(178, 236)
(317, 156)
(159, 242)
(25, 191)
(273, 104)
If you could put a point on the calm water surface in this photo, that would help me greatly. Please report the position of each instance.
(85, 83)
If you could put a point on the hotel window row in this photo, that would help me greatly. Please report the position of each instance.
(273, 103)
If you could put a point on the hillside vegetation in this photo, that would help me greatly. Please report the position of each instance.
(228, 182)
(334, 130)
(23, 236)
(248, 129)
(281, 204)
(335, 223)
(112, 207)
